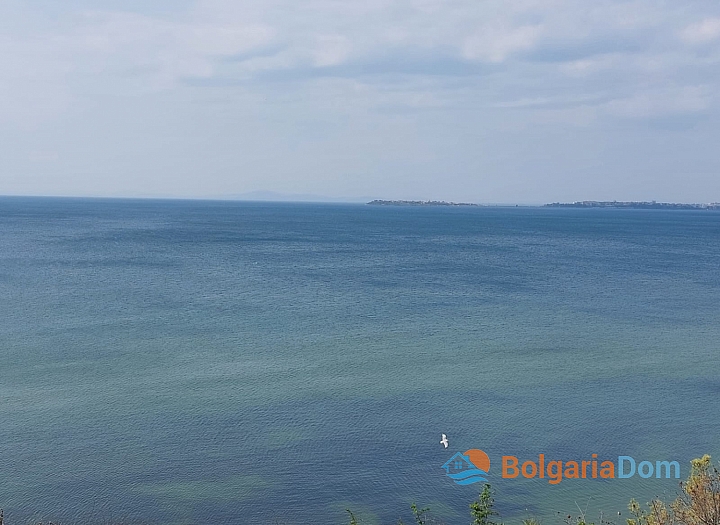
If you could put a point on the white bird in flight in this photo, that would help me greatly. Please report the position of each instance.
(444, 441)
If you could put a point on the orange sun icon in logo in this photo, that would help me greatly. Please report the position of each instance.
(478, 458)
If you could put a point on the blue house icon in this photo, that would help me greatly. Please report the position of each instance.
(458, 463)
(462, 471)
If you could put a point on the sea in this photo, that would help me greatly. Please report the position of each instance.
(191, 362)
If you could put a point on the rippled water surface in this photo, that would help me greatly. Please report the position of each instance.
(210, 362)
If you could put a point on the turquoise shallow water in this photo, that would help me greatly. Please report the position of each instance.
(185, 362)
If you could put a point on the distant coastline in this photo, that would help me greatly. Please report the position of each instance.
(378, 202)
(635, 205)
(628, 205)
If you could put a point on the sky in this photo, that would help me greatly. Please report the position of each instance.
(488, 101)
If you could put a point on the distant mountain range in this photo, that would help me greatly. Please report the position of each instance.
(379, 202)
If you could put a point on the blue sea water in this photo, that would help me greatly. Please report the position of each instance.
(217, 362)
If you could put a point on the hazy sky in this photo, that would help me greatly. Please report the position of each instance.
(481, 100)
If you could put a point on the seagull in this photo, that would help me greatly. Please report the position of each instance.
(444, 441)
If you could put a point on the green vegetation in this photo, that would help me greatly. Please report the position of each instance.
(482, 509)
(697, 504)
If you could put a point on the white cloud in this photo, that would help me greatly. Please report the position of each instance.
(32, 87)
(165, 51)
(132, 52)
(672, 100)
(702, 32)
(331, 50)
(495, 44)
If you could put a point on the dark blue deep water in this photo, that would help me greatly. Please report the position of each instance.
(214, 362)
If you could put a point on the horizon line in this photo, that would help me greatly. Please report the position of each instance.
(288, 199)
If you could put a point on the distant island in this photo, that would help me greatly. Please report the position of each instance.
(378, 202)
(635, 205)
